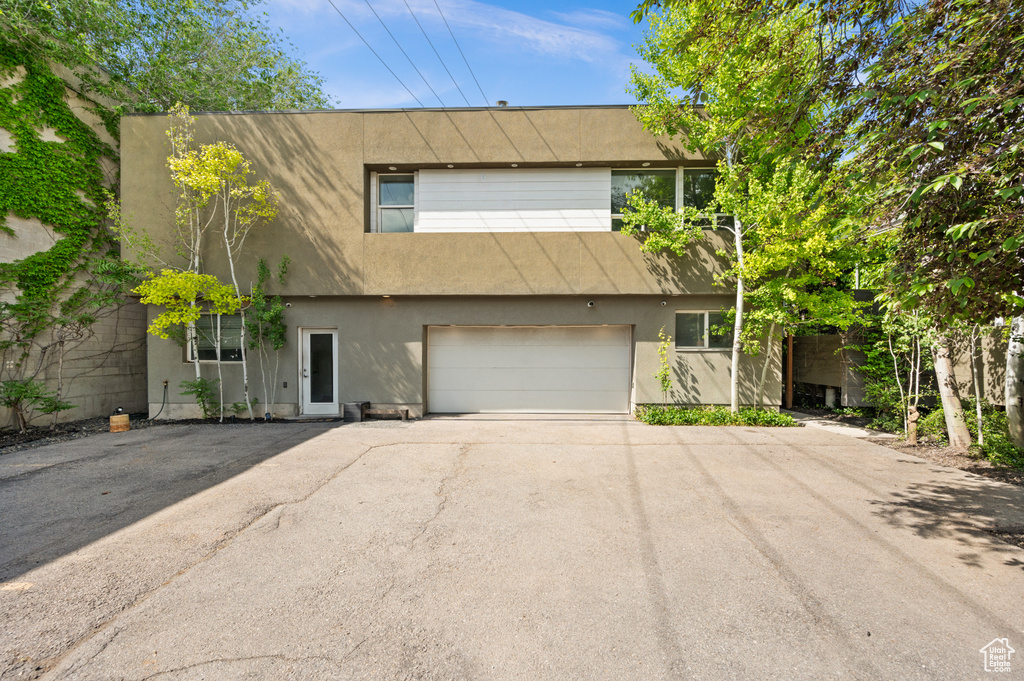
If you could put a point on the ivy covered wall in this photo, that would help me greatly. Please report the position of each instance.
(62, 320)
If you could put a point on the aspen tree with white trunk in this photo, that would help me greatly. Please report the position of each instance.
(733, 96)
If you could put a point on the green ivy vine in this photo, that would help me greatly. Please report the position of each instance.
(41, 179)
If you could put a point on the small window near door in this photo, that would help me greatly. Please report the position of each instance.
(702, 331)
(230, 338)
(396, 202)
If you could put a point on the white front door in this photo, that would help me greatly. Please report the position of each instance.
(318, 368)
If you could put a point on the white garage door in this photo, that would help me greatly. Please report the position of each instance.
(571, 369)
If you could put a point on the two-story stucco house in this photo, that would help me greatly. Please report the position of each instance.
(460, 260)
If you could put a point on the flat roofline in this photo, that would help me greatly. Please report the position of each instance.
(402, 110)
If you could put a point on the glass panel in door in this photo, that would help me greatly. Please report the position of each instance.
(321, 368)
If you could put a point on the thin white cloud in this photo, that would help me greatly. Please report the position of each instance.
(596, 18)
(479, 21)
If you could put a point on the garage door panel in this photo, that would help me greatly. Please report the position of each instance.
(570, 369)
(526, 402)
(517, 335)
(530, 379)
(523, 356)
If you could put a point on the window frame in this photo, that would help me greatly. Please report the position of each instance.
(680, 192)
(376, 209)
(677, 185)
(190, 344)
(707, 332)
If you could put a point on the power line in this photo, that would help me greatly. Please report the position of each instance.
(486, 101)
(436, 52)
(375, 53)
(403, 51)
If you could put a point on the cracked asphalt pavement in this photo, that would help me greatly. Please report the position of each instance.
(500, 549)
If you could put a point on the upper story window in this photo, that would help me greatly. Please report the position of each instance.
(396, 202)
(540, 199)
(670, 188)
(659, 185)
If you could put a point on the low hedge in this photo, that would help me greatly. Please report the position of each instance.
(658, 415)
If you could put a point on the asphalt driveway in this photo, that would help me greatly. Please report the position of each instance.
(504, 549)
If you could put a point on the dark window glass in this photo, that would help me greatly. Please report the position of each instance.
(321, 368)
(659, 185)
(689, 329)
(230, 338)
(698, 188)
(720, 336)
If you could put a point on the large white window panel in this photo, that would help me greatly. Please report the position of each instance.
(514, 200)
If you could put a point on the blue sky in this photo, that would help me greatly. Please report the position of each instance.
(527, 53)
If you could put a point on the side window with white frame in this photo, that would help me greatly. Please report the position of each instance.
(702, 331)
(395, 204)
(230, 327)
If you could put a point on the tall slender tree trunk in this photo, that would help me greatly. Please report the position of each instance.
(1015, 382)
(60, 381)
(956, 426)
(220, 375)
(764, 367)
(737, 329)
(238, 294)
(977, 383)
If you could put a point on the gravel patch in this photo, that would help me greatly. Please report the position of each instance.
(13, 441)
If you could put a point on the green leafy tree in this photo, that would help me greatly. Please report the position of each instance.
(737, 96)
(215, 55)
(664, 373)
(185, 295)
(217, 178)
(264, 321)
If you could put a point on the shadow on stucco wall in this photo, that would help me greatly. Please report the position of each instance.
(315, 200)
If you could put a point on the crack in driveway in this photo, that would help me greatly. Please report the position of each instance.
(224, 541)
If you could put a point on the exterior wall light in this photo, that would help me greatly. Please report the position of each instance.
(643, 164)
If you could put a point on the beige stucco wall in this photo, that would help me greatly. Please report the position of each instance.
(319, 163)
(825, 360)
(991, 366)
(381, 347)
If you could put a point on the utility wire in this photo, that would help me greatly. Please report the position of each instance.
(436, 52)
(486, 101)
(375, 53)
(403, 51)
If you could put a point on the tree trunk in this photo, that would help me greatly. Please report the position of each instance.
(737, 329)
(238, 294)
(764, 367)
(60, 382)
(956, 426)
(220, 375)
(977, 383)
(1015, 382)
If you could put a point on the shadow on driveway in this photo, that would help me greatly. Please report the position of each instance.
(59, 498)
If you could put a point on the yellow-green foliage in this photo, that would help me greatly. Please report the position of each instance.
(186, 295)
